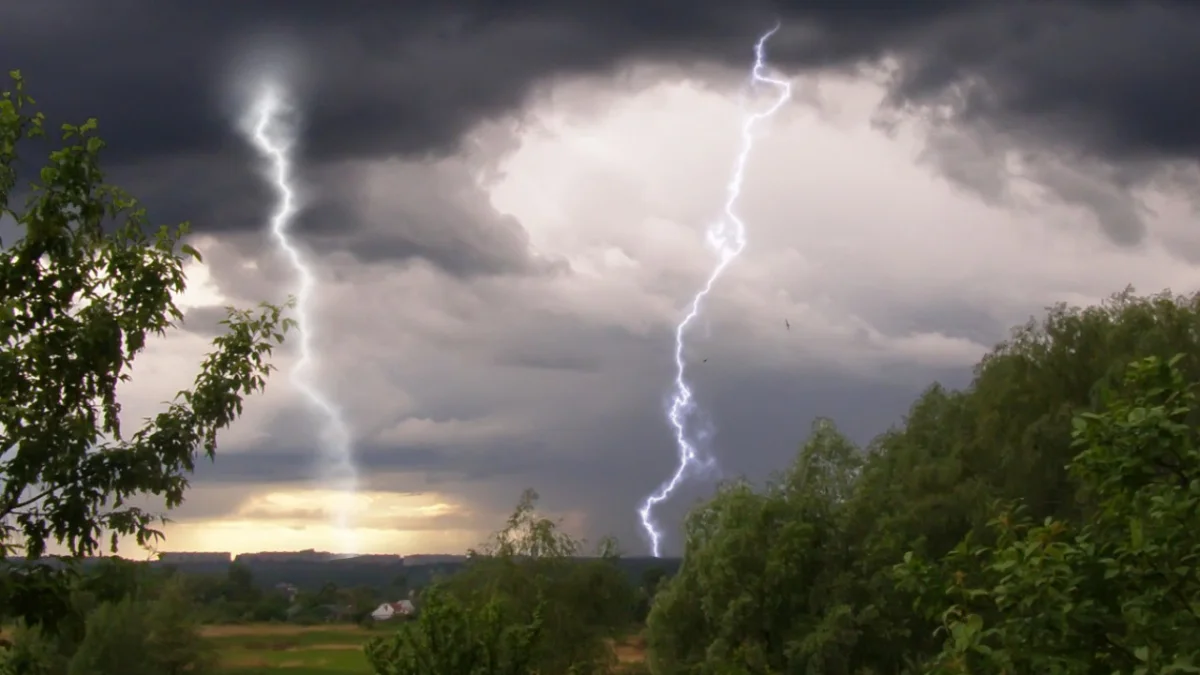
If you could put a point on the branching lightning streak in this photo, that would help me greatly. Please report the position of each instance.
(728, 237)
(275, 147)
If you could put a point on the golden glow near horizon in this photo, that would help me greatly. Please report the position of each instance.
(294, 520)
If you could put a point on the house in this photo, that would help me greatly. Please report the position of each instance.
(389, 610)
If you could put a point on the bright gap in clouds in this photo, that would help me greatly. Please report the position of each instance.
(848, 226)
(282, 519)
(294, 517)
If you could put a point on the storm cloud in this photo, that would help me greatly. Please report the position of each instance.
(504, 200)
(1097, 86)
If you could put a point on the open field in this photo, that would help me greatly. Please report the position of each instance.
(296, 650)
(259, 649)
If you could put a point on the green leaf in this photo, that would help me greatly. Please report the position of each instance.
(1136, 535)
(191, 252)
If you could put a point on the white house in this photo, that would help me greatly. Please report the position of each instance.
(390, 610)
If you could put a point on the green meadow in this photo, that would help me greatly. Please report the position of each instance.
(259, 649)
(296, 650)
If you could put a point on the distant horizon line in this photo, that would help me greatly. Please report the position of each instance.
(310, 554)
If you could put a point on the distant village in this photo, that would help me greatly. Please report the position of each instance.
(279, 570)
(319, 586)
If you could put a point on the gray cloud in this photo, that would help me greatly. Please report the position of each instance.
(1101, 82)
(604, 466)
(438, 463)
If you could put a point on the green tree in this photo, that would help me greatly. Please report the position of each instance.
(930, 482)
(450, 637)
(567, 610)
(753, 592)
(115, 642)
(399, 587)
(272, 606)
(1118, 593)
(362, 600)
(239, 584)
(587, 602)
(173, 635)
(81, 291)
(921, 487)
(34, 651)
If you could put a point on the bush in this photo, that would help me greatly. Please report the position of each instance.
(453, 638)
(115, 642)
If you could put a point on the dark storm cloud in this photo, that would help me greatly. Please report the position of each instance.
(1086, 80)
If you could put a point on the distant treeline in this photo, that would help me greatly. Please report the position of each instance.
(311, 575)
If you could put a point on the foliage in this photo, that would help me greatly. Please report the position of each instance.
(115, 642)
(34, 651)
(1118, 592)
(800, 576)
(453, 638)
(756, 564)
(173, 633)
(81, 293)
(567, 610)
(117, 608)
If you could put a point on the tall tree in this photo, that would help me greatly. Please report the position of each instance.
(82, 290)
(1118, 592)
(173, 633)
(923, 486)
(759, 566)
(115, 642)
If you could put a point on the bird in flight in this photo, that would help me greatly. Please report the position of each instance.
(787, 323)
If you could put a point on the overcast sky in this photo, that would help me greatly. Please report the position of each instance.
(505, 207)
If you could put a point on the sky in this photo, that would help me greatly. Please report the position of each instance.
(505, 206)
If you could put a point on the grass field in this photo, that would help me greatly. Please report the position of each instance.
(259, 649)
(295, 650)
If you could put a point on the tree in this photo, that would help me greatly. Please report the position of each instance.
(531, 560)
(115, 642)
(272, 606)
(173, 633)
(932, 481)
(362, 600)
(799, 576)
(565, 611)
(81, 292)
(399, 587)
(752, 593)
(239, 584)
(1120, 592)
(33, 651)
(451, 637)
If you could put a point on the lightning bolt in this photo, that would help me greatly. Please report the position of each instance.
(728, 237)
(274, 143)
